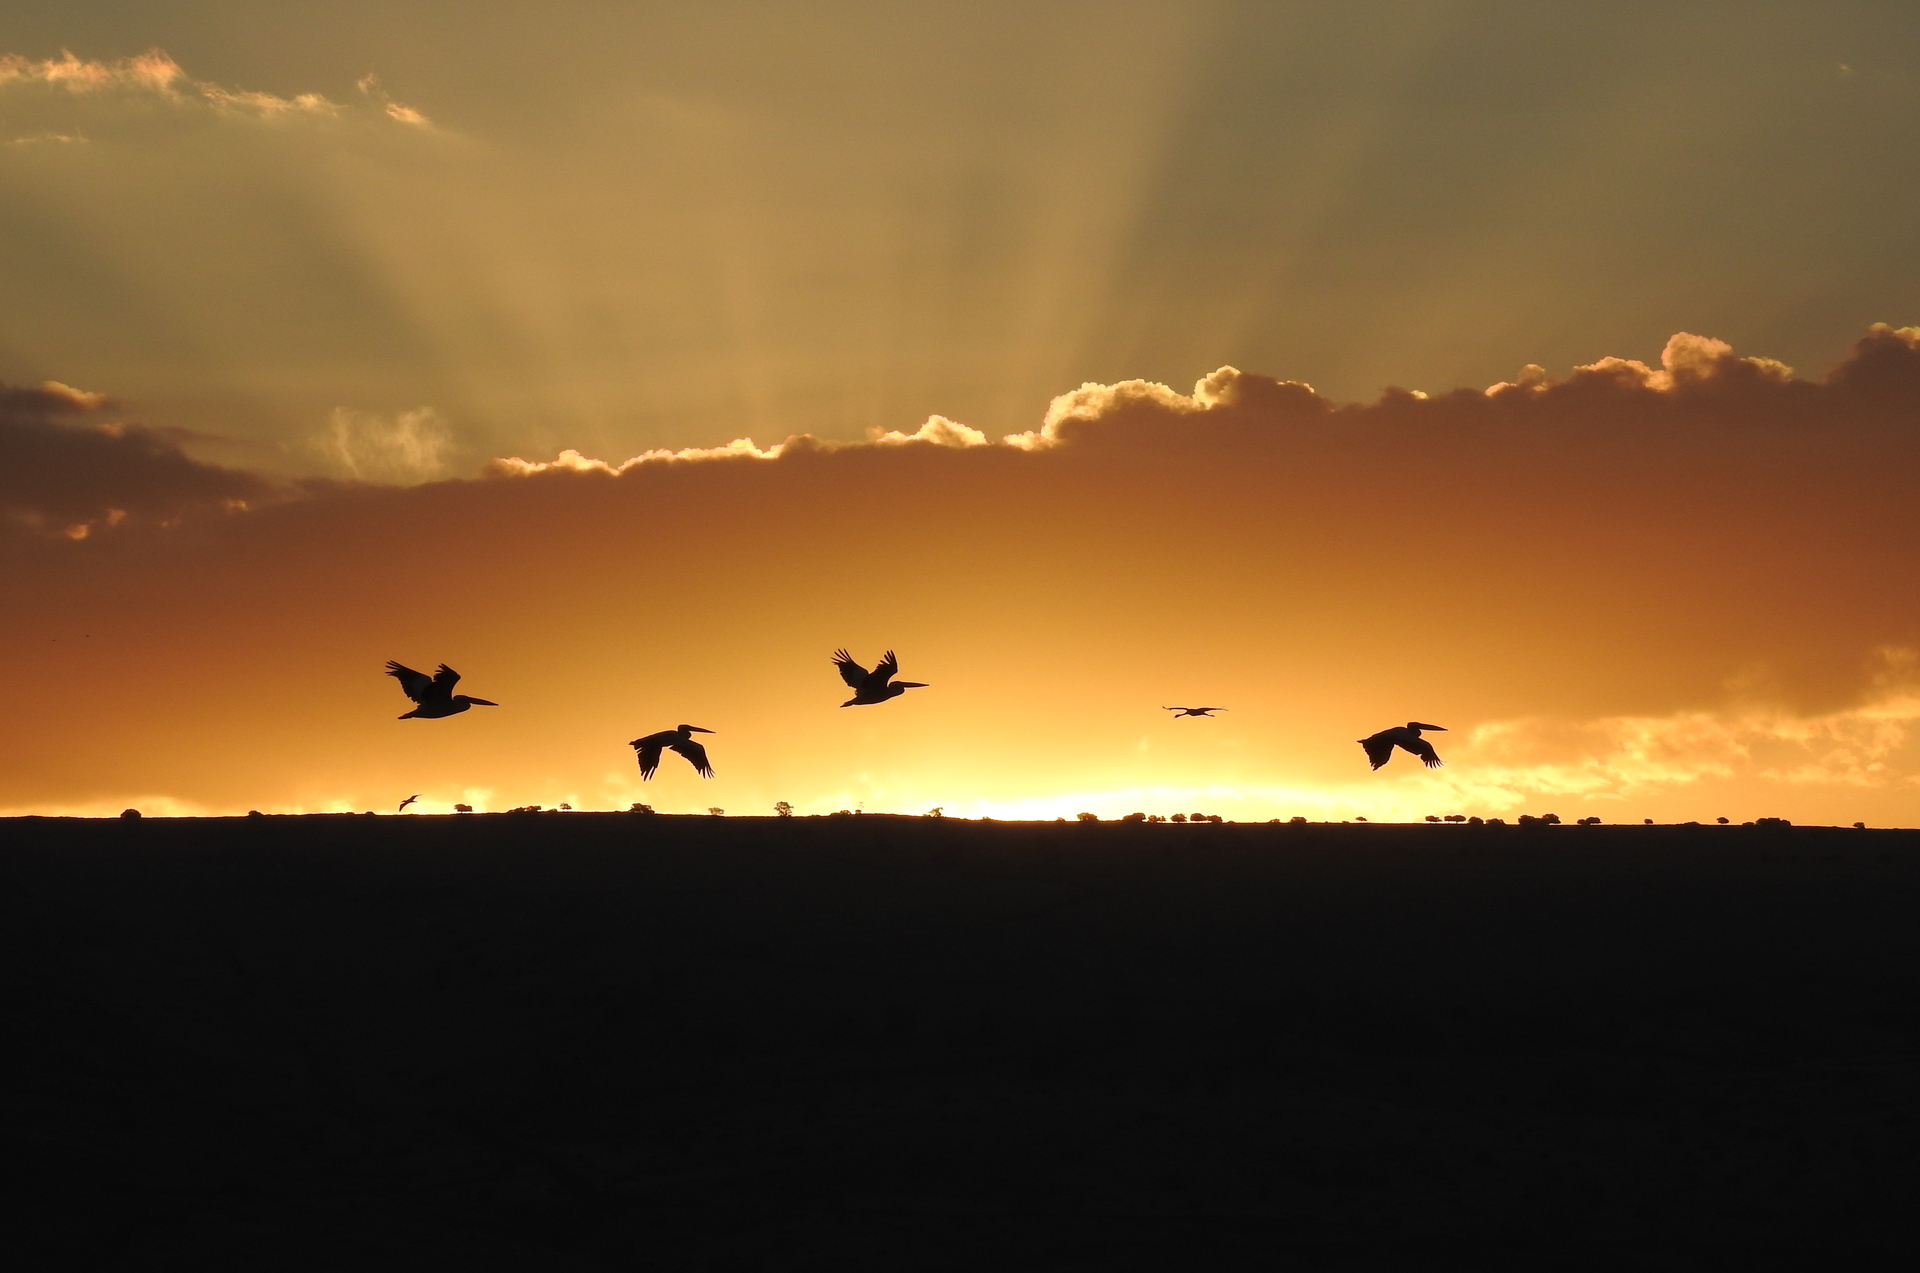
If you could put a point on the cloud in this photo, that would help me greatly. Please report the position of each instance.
(73, 90)
(66, 472)
(937, 431)
(401, 450)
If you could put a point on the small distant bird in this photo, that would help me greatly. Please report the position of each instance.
(679, 740)
(434, 693)
(1407, 738)
(404, 803)
(1207, 712)
(876, 686)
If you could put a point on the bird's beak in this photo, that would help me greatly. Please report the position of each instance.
(1439, 728)
(912, 685)
(695, 729)
(483, 702)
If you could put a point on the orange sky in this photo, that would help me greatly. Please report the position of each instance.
(1676, 592)
(300, 303)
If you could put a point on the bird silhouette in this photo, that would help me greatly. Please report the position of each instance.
(433, 693)
(876, 686)
(679, 740)
(1407, 738)
(1207, 712)
(404, 803)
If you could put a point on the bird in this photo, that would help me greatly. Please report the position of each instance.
(434, 693)
(1406, 737)
(679, 740)
(876, 686)
(404, 803)
(1207, 712)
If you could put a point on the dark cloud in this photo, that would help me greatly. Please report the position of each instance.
(67, 472)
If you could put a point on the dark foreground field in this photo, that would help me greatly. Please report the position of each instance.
(599, 1042)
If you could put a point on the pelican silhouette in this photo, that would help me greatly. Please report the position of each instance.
(679, 740)
(434, 693)
(876, 686)
(404, 803)
(1407, 738)
(1207, 712)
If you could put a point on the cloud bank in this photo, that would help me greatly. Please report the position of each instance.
(66, 472)
(1639, 588)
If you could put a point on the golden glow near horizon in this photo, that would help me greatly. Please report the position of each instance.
(548, 293)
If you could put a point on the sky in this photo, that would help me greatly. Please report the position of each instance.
(1541, 372)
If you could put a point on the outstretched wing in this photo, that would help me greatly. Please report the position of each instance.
(649, 754)
(1423, 749)
(444, 679)
(885, 670)
(852, 673)
(416, 684)
(696, 756)
(1379, 750)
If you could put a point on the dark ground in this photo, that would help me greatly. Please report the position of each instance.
(619, 1042)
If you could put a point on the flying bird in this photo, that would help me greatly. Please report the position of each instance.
(404, 803)
(1207, 712)
(679, 740)
(1407, 738)
(434, 693)
(876, 686)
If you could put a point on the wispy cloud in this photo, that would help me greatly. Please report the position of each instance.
(401, 449)
(154, 77)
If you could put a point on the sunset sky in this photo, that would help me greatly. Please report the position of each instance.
(1551, 373)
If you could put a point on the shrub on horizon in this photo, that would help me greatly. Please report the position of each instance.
(1086, 817)
(781, 809)
(1178, 817)
(1135, 817)
(1297, 821)
(463, 808)
(1475, 821)
(129, 813)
